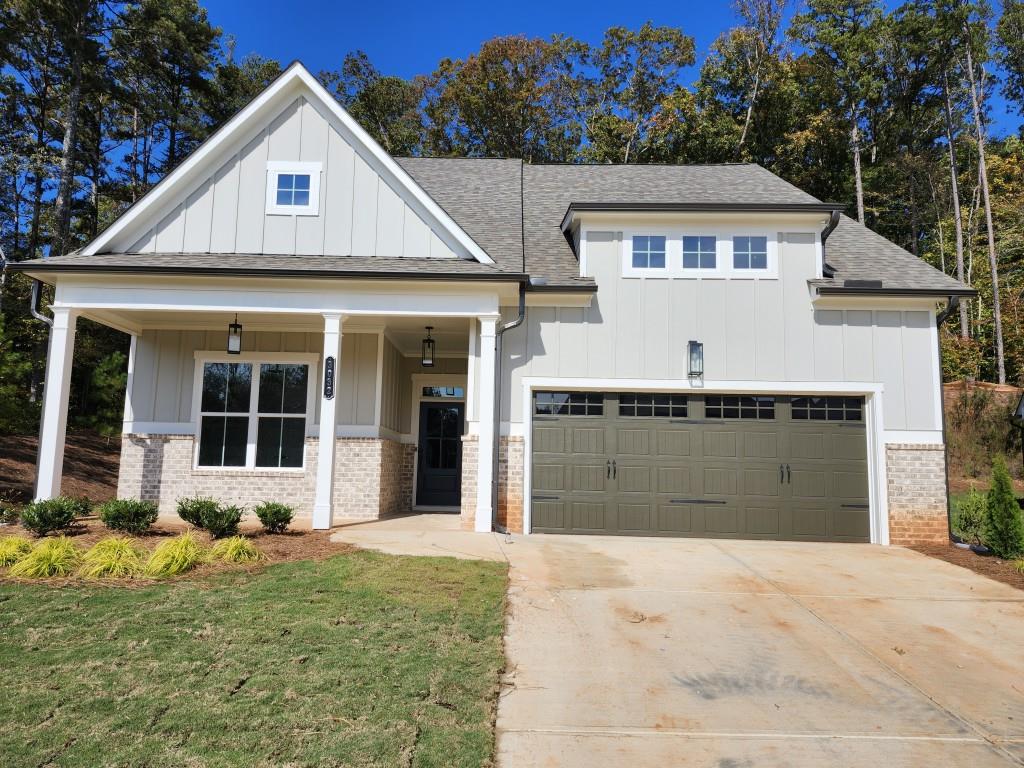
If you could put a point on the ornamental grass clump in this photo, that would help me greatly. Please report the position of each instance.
(175, 556)
(236, 549)
(117, 557)
(13, 549)
(274, 516)
(128, 515)
(48, 515)
(1004, 527)
(50, 557)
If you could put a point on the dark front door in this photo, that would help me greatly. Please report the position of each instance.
(439, 475)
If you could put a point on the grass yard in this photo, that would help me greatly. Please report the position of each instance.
(358, 660)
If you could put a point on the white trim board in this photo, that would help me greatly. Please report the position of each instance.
(874, 419)
(294, 81)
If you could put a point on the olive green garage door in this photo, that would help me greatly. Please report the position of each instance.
(729, 466)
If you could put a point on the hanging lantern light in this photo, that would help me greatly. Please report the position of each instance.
(427, 357)
(695, 358)
(235, 337)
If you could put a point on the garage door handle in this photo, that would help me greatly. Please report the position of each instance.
(782, 475)
(615, 470)
(789, 477)
(609, 469)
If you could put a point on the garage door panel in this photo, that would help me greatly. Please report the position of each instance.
(634, 517)
(761, 445)
(810, 522)
(719, 445)
(589, 478)
(675, 518)
(673, 442)
(850, 445)
(720, 481)
(721, 519)
(634, 479)
(548, 515)
(588, 440)
(808, 483)
(762, 521)
(549, 439)
(588, 516)
(849, 484)
(851, 523)
(807, 445)
(633, 442)
(760, 481)
(549, 477)
(675, 479)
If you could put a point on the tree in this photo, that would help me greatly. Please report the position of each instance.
(513, 98)
(1010, 39)
(637, 72)
(1004, 529)
(842, 36)
(386, 106)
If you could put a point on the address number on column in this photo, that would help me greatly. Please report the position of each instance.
(329, 378)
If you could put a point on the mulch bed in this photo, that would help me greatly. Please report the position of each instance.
(90, 466)
(986, 565)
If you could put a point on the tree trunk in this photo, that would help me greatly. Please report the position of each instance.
(997, 317)
(855, 140)
(750, 113)
(65, 190)
(958, 223)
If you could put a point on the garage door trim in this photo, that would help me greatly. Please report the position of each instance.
(873, 418)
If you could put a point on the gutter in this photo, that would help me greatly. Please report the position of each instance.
(699, 208)
(951, 307)
(841, 290)
(497, 403)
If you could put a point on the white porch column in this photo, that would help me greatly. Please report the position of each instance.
(56, 390)
(485, 447)
(323, 508)
(129, 389)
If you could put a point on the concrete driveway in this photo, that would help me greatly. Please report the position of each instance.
(637, 652)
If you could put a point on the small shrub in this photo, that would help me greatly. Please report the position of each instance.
(274, 516)
(969, 516)
(1004, 528)
(9, 509)
(129, 515)
(117, 557)
(174, 556)
(80, 506)
(42, 517)
(13, 549)
(223, 521)
(236, 549)
(194, 509)
(51, 557)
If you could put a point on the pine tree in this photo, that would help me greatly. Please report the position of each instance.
(1004, 528)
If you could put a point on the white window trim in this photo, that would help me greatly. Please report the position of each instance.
(723, 253)
(274, 169)
(256, 359)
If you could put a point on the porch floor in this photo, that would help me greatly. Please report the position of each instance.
(438, 535)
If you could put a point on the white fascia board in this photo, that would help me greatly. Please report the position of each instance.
(191, 168)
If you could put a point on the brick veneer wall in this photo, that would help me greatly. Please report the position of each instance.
(470, 454)
(510, 483)
(917, 492)
(372, 477)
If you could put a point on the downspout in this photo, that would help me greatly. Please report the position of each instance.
(497, 404)
(34, 309)
(833, 222)
(951, 306)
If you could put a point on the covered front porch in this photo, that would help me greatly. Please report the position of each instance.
(248, 426)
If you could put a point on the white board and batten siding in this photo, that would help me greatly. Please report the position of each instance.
(360, 214)
(752, 330)
(165, 371)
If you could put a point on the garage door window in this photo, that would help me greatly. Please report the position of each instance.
(828, 408)
(639, 404)
(569, 404)
(739, 407)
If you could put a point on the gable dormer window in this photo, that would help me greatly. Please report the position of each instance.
(293, 189)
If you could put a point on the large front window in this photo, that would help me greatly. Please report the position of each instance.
(253, 414)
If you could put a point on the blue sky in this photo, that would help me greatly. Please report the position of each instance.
(409, 38)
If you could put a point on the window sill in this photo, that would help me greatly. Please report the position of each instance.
(247, 472)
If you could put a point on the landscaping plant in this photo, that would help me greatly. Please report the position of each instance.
(236, 549)
(1004, 528)
(42, 517)
(274, 516)
(174, 556)
(80, 506)
(1018, 566)
(193, 509)
(969, 516)
(117, 557)
(222, 521)
(128, 515)
(13, 549)
(50, 557)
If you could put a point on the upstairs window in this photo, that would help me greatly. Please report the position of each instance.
(749, 252)
(699, 252)
(293, 189)
(648, 251)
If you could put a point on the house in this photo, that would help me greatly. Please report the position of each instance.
(639, 350)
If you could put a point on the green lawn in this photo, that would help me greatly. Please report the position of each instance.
(359, 660)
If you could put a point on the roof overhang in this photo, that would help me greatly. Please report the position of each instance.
(575, 209)
(938, 293)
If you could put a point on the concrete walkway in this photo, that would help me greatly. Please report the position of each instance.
(637, 652)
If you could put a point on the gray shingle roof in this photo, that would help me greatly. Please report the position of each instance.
(514, 212)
